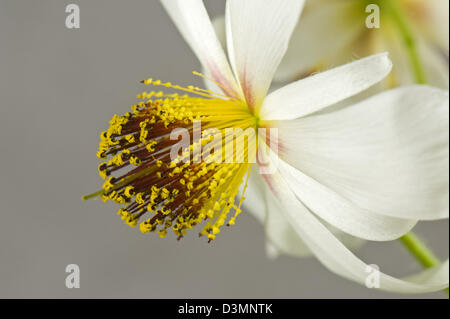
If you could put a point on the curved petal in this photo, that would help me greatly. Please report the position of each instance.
(219, 27)
(258, 33)
(386, 155)
(323, 30)
(338, 259)
(281, 238)
(280, 233)
(254, 203)
(318, 91)
(340, 212)
(285, 239)
(193, 22)
(271, 251)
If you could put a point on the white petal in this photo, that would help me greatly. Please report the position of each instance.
(193, 22)
(279, 231)
(219, 27)
(436, 65)
(281, 238)
(324, 89)
(285, 239)
(386, 155)
(434, 62)
(258, 33)
(340, 212)
(338, 259)
(271, 251)
(254, 203)
(436, 24)
(322, 31)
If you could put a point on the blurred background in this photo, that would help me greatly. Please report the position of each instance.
(58, 89)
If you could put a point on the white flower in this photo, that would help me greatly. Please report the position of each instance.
(332, 32)
(371, 170)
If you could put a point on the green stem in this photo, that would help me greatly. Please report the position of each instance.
(419, 250)
(409, 40)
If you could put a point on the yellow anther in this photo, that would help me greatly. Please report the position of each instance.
(155, 189)
(162, 233)
(135, 160)
(165, 193)
(125, 215)
(165, 210)
(139, 198)
(151, 146)
(130, 138)
(107, 185)
(100, 154)
(102, 170)
(129, 191)
(132, 222)
(145, 227)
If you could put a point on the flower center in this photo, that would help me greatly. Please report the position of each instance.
(166, 182)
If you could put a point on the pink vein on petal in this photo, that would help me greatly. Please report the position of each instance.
(222, 80)
(276, 144)
(269, 181)
(247, 89)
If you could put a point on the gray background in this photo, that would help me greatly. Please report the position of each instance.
(58, 90)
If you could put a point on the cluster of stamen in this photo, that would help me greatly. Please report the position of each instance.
(160, 192)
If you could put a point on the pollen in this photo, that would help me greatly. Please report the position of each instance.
(164, 183)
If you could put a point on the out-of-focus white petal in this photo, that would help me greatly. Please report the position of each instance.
(435, 64)
(338, 259)
(258, 33)
(271, 251)
(318, 91)
(280, 237)
(193, 22)
(433, 60)
(219, 27)
(433, 19)
(286, 240)
(321, 32)
(386, 155)
(279, 231)
(254, 202)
